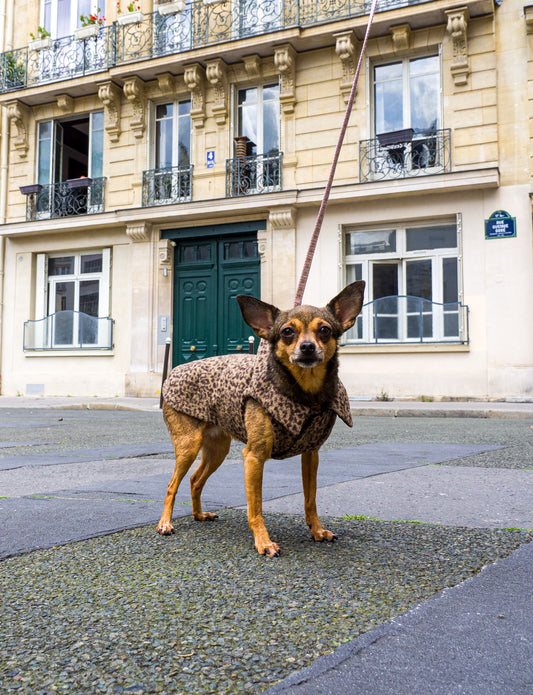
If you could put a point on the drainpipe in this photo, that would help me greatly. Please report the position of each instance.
(6, 42)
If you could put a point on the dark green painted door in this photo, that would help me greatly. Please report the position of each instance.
(209, 273)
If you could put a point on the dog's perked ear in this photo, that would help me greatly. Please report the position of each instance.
(258, 315)
(347, 304)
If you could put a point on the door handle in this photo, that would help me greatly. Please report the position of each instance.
(193, 348)
(239, 347)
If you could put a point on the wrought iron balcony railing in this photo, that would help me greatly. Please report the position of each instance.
(69, 330)
(82, 196)
(407, 319)
(260, 173)
(166, 186)
(400, 154)
(201, 23)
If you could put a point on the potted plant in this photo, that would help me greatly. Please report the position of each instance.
(41, 41)
(172, 7)
(12, 70)
(132, 16)
(90, 25)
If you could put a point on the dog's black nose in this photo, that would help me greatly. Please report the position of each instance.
(307, 348)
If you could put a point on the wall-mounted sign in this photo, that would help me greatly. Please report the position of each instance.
(500, 225)
(210, 159)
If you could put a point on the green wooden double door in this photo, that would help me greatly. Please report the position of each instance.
(209, 274)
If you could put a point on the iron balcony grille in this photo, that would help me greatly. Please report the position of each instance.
(407, 319)
(69, 330)
(260, 173)
(65, 199)
(166, 186)
(388, 157)
(201, 23)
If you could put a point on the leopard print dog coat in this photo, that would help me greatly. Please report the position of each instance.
(216, 389)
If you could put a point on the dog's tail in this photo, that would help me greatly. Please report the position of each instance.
(165, 370)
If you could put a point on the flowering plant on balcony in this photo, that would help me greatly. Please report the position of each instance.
(132, 7)
(96, 18)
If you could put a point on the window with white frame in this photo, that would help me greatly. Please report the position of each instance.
(407, 113)
(72, 300)
(61, 17)
(412, 276)
(257, 162)
(171, 153)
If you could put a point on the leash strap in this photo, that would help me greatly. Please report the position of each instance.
(322, 211)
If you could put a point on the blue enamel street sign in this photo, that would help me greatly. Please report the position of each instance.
(500, 225)
(210, 159)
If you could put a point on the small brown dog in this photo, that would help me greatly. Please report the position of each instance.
(281, 402)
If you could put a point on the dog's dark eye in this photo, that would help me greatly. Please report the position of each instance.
(324, 332)
(287, 332)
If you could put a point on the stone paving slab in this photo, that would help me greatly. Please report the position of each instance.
(81, 455)
(79, 512)
(453, 496)
(474, 638)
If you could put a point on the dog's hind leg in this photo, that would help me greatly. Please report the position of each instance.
(187, 435)
(215, 448)
(309, 474)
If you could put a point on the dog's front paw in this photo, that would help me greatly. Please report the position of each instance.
(323, 535)
(270, 550)
(165, 528)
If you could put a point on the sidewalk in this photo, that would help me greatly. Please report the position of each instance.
(477, 409)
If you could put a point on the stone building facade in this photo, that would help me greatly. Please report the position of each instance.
(155, 163)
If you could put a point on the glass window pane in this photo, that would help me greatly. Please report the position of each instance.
(163, 111)
(442, 237)
(270, 127)
(451, 325)
(163, 143)
(63, 18)
(91, 263)
(388, 98)
(184, 135)
(424, 94)
(97, 145)
(370, 242)
(450, 289)
(63, 329)
(354, 272)
(89, 295)
(248, 114)
(384, 280)
(61, 266)
(45, 152)
(418, 279)
(64, 296)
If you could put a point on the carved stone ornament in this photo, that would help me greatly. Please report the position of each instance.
(285, 63)
(456, 28)
(139, 231)
(166, 82)
(252, 65)
(111, 97)
(18, 114)
(282, 218)
(347, 50)
(401, 38)
(134, 93)
(165, 251)
(65, 103)
(194, 77)
(216, 74)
